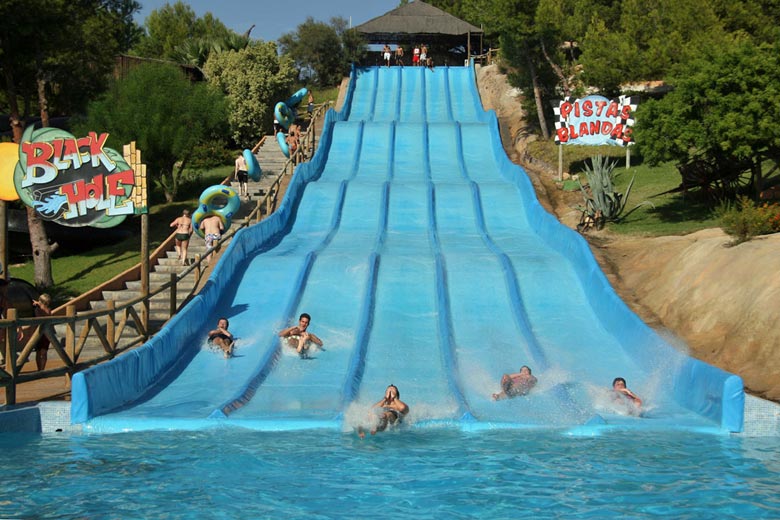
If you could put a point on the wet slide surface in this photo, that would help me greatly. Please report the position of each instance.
(421, 264)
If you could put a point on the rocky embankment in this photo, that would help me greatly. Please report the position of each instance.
(721, 302)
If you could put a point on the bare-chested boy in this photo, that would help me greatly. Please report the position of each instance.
(183, 227)
(212, 228)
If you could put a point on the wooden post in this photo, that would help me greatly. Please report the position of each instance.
(173, 295)
(10, 357)
(3, 240)
(560, 162)
(197, 269)
(628, 157)
(111, 324)
(145, 272)
(258, 207)
(70, 332)
(468, 49)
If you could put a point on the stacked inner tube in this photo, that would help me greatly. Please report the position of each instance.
(207, 206)
(285, 112)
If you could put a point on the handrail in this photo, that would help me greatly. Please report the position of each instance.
(111, 324)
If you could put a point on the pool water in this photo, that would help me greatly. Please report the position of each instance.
(435, 473)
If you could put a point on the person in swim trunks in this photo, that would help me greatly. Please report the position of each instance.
(222, 338)
(212, 228)
(391, 411)
(242, 175)
(183, 227)
(514, 385)
(299, 338)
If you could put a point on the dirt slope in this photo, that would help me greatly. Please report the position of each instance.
(722, 302)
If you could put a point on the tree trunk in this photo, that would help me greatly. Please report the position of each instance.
(538, 97)
(43, 103)
(39, 240)
(41, 250)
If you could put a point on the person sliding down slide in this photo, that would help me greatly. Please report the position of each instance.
(299, 338)
(513, 385)
(391, 412)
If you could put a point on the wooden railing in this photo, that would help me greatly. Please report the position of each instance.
(120, 327)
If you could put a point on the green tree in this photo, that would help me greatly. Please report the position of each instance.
(724, 110)
(165, 113)
(172, 25)
(317, 51)
(54, 56)
(254, 79)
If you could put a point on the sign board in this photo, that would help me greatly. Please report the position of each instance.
(76, 181)
(595, 120)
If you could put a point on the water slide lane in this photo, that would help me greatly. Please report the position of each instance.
(387, 95)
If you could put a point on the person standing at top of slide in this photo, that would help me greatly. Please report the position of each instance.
(399, 56)
(416, 55)
(386, 55)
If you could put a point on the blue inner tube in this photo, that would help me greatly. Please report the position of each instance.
(207, 208)
(252, 166)
(296, 98)
(283, 144)
(284, 114)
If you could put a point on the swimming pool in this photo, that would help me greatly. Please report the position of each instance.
(433, 473)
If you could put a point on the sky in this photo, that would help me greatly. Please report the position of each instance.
(273, 19)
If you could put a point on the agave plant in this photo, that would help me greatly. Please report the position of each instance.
(602, 203)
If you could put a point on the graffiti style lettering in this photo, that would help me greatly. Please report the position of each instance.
(45, 159)
(39, 169)
(99, 195)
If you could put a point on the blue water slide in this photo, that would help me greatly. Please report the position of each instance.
(426, 261)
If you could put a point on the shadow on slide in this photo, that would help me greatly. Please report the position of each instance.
(425, 261)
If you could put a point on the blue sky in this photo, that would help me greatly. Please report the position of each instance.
(272, 19)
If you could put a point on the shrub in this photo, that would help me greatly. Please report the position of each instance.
(744, 219)
(602, 203)
(210, 154)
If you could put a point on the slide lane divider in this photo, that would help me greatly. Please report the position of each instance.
(274, 349)
(391, 153)
(398, 90)
(357, 363)
(424, 101)
(376, 89)
(444, 314)
(447, 94)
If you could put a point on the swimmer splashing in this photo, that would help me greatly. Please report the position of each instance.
(390, 410)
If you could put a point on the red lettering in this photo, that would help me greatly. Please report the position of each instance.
(38, 155)
(625, 112)
(612, 111)
(96, 143)
(587, 108)
(595, 127)
(616, 132)
(118, 181)
(94, 189)
(600, 107)
(627, 131)
(606, 128)
(584, 128)
(565, 109)
(573, 133)
(563, 134)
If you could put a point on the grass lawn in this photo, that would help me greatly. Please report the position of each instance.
(672, 214)
(76, 274)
